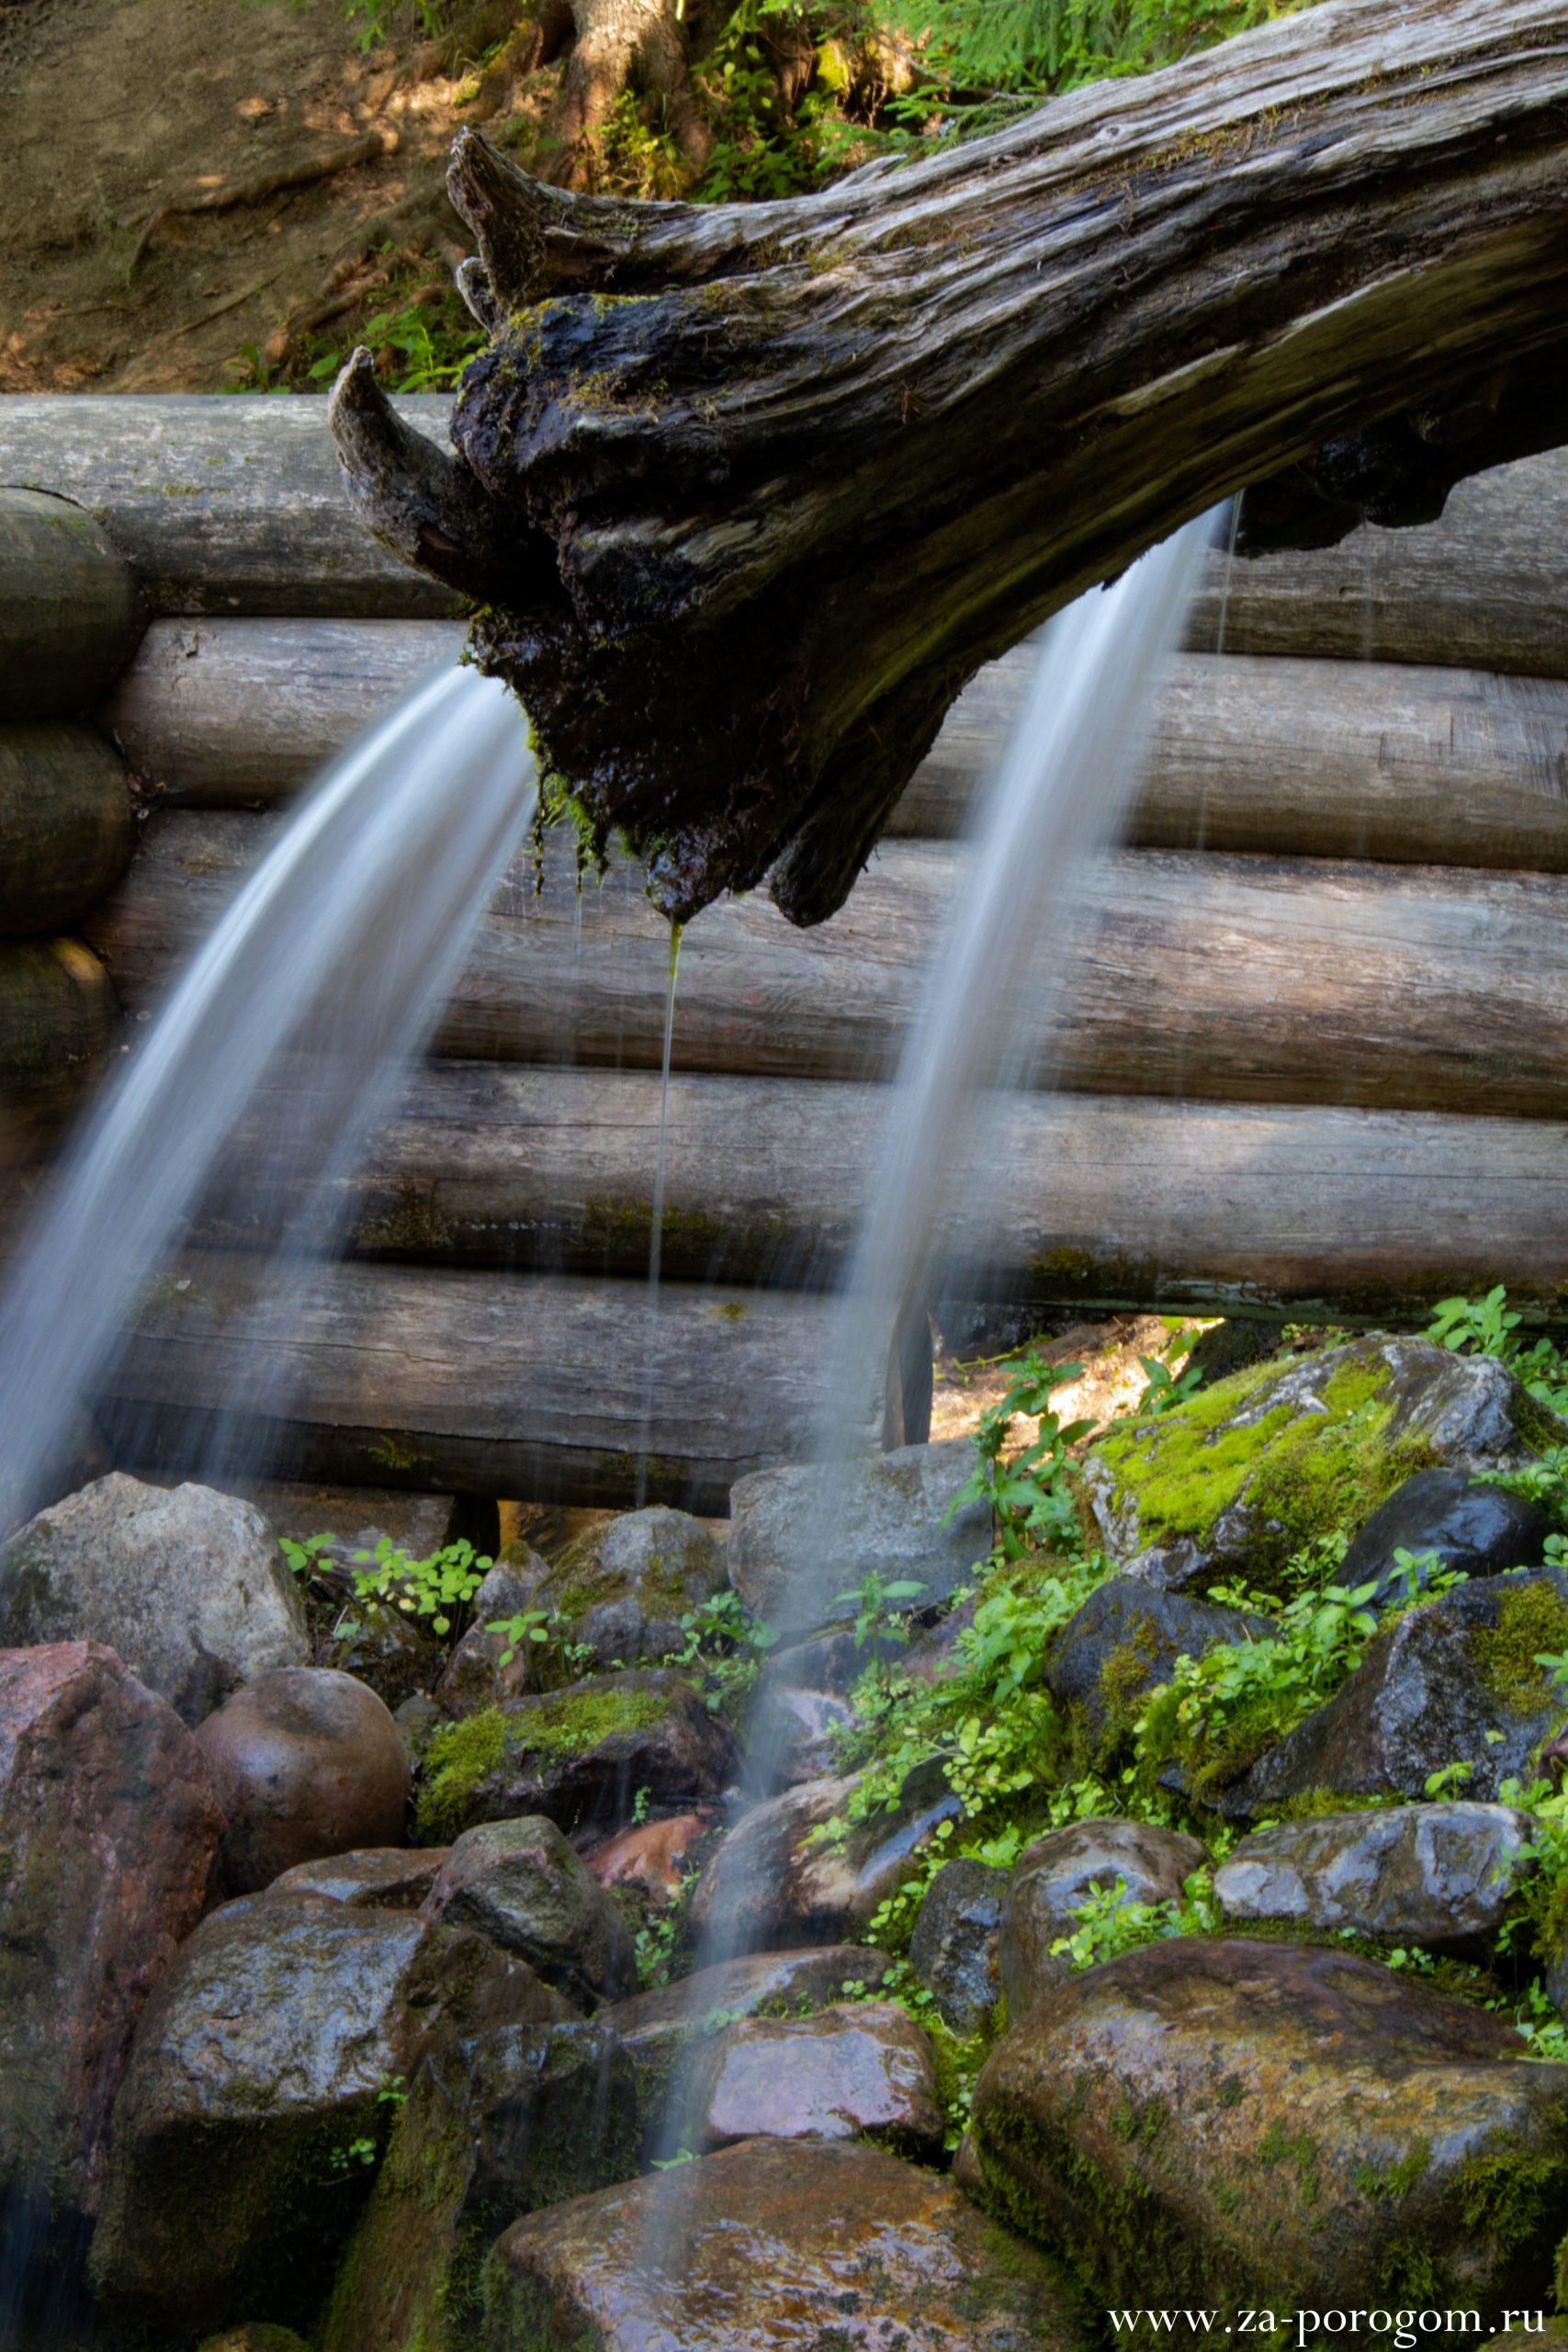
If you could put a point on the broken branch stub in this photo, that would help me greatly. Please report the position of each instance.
(747, 493)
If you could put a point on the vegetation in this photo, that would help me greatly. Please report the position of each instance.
(436, 1591)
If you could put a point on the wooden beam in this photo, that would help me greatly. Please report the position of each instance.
(66, 826)
(58, 1020)
(70, 613)
(1232, 977)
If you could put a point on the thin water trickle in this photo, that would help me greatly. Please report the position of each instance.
(329, 967)
(656, 1220)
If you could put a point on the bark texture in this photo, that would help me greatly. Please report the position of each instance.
(750, 491)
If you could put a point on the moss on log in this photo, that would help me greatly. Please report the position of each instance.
(70, 611)
(66, 827)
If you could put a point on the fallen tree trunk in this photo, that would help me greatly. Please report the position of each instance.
(1090, 1200)
(1238, 978)
(1300, 758)
(66, 827)
(749, 491)
(70, 613)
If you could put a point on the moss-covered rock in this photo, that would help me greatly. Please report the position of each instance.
(625, 1586)
(1278, 1454)
(1125, 1639)
(1058, 1872)
(493, 2127)
(1264, 2124)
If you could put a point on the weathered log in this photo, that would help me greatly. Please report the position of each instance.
(542, 1387)
(70, 614)
(1238, 978)
(1093, 1200)
(762, 512)
(1300, 758)
(220, 506)
(58, 1019)
(66, 827)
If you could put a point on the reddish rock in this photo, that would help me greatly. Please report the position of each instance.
(651, 1857)
(306, 1763)
(377, 1878)
(109, 1833)
(856, 2068)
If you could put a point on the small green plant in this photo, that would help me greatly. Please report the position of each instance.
(1168, 1386)
(1109, 1923)
(724, 1646)
(437, 1590)
(1447, 1780)
(879, 1611)
(1032, 1497)
(1489, 1326)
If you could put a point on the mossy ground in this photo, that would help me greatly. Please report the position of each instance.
(567, 1723)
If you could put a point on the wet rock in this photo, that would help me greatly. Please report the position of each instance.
(1481, 1531)
(769, 1885)
(1126, 1638)
(1428, 1693)
(360, 1517)
(418, 1721)
(390, 1653)
(789, 1738)
(188, 1587)
(581, 1756)
(774, 2244)
(1058, 1872)
(306, 1763)
(953, 1952)
(521, 1885)
(859, 2070)
(474, 1675)
(1246, 1473)
(1437, 1875)
(493, 2127)
(260, 2074)
(653, 1858)
(831, 1662)
(109, 1836)
(377, 1878)
(1247, 2121)
(934, 1654)
(624, 1586)
(888, 1517)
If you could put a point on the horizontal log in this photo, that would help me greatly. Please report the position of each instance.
(70, 613)
(1303, 758)
(220, 505)
(227, 505)
(58, 1020)
(1234, 979)
(66, 828)
(1090, 1200)
(540, 1387)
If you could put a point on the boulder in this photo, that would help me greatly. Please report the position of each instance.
(263, 2080)
(792, 1552)
(359, 1517)
(377, 1878)
(833, 1662)
(1125, 1639)
(789, 1737)
(474, 1675)
(1428, 1693)
(390, 1653)
(1250, 2123)
(859, 2070)
(580, 1756)
(108, 1839)
(493, 2127)
(1247, 1472)
(187, 1586)
(774, 2245)
(520, 1884)
(1059, 1872)
(306, 1763)
(771, 1886)
(1442, 1876)
(653, 1858)
(622, 1588)
(953, 1952)
(1478, 1529)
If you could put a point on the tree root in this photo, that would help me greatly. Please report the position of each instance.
(256, 190)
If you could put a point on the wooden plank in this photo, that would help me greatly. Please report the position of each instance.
(542, 1387)
(1231, 978)
(70, 613)
(66, 827)
(1098, 1200)
(220, 505)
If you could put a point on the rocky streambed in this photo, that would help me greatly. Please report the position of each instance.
(631, 1966)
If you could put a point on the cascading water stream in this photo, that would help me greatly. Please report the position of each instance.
(316, 989)
(656, 1219)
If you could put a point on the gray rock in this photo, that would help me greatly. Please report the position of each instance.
(1055, 1875)
(849, 2071)
(521, 1885)
(261, 2065)
(1126, 1638)
(789, 1737)
(474, 1675)
(389, 1652)
(358, 1516)
(831, 1662)
(791, 1554)
(375, 1878)
(1332, 1434)
(1437, 1875)
(624, 1586)
(1480, 1530)
(188, 1585)
(1428, 1693)
(953, 1952)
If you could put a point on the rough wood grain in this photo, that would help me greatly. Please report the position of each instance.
(70, 614)
(542, 1387)
(1234, 978)
(220, 506)
(66, 827)
(58, 1019)
(1095, 1200)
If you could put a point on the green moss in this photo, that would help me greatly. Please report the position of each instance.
(456, 1761)
(1278, 2146)
(1397, 2180)
(1531, 1620)
(1125, 1677)
(572, 1721)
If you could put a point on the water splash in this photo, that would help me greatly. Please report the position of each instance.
(656, 1221)
(328, 969)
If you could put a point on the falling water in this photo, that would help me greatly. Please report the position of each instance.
(328, 969)
(656, 1220)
